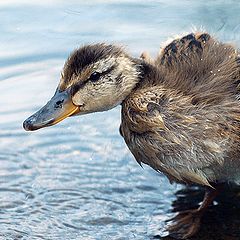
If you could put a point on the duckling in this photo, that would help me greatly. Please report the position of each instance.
(180, 112)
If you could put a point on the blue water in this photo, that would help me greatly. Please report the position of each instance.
(77, 180)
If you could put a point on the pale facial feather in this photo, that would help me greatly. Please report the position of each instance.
(110, 90)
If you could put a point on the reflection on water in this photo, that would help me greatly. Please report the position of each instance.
(221, 221)
(77, 180)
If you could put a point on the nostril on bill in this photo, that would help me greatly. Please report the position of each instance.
(59, 104)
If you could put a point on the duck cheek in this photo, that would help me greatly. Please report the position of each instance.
(85, 102)
(79, 99)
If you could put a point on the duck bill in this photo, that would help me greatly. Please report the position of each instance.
(58, 108)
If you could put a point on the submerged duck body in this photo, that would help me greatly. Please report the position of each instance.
(180, 112)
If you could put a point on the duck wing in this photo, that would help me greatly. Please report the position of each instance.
(182, 48)
(201, 66)
(186, 123)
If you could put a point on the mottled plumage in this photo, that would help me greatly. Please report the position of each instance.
(183, 118)
(180, 112)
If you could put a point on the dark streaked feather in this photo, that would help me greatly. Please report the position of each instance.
(87, 55)
(184, 117)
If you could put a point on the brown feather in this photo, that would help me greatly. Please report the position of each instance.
(183, 117)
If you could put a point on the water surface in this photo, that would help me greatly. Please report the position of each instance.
(77, 180)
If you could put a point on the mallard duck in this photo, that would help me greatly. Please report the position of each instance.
(180, 112)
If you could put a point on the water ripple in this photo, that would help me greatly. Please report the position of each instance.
(77, 180)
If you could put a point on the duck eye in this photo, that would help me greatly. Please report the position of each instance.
(95, 76)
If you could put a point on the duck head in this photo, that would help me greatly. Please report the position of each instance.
(94, 78)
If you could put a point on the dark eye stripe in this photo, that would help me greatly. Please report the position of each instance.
(81, 84)
(102, 73)
(95, 76)
(108, 70)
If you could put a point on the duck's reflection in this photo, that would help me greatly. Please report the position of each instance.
(222, 219)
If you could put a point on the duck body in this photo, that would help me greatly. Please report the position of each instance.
(180, 112)
(183, 118)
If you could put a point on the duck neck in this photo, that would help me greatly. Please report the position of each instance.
(147, 74)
